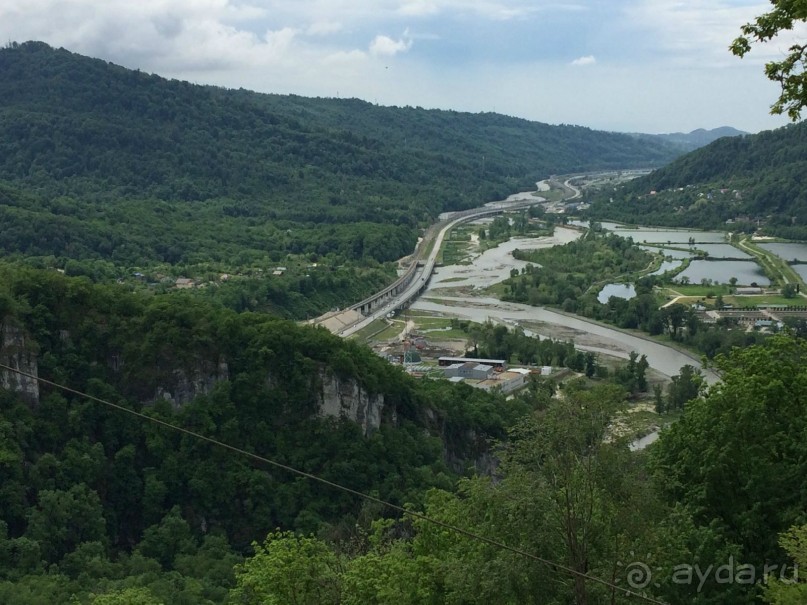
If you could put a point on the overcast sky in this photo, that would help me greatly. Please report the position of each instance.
(623, 65)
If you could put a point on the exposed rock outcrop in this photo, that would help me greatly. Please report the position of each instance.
(186, 384)
(18, 351)
(345, 398)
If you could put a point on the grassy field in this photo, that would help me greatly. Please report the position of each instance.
(369, 330)
(383, 329)
(455, 248)
(430, 322)
(686, 300)
(455, 253)
(764, 299)
(392, 331)
(737, 301)
(698, 290)
(440, 324)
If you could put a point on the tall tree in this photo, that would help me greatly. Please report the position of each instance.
(790, 71)
(737, 457)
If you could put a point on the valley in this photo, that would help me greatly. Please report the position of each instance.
(263, 348)
(462, 290)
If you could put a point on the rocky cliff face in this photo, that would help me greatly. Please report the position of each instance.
(18, 351)
(345, 398)
(187, 384)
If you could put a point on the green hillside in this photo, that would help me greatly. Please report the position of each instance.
(246, 379)
(750, 180)
(78, 126)
(122, 167)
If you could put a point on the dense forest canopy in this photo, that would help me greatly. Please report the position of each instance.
(78, 126)
(106, 170)
(120, 171)
(82, 482)
(97, 508)
(749, 180)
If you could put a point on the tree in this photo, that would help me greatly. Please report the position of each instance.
(789, 72)
(784, 587)
(591, 364)
(683, 388)
(62, 520)
(673, 318)
(170, 538)
(658, 398)
(289, 569)
(127, 596)
(736, 456)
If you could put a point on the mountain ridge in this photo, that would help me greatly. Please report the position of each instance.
(695, 139)
(167, 177)
(751, 181)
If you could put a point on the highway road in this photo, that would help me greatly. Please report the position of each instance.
(423, 273)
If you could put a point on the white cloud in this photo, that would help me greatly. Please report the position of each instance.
(587, 60)
(674, 53)
(278, 42)
(700, 31)
(323, 28)
(418, 8)
(351, 57)
(386, 46)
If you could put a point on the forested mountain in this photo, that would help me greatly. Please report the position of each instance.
(748, 180)
(689, 141)
(78, 126)
(82, 482)
(127, 168)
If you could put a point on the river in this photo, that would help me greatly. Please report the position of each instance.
(494, 265)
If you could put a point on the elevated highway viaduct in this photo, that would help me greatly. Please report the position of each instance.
(416, 277)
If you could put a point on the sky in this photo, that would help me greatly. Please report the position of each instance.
(650, 66)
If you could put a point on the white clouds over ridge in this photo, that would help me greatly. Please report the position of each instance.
(446, 53)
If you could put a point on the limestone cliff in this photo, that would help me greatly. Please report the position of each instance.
(185, 384)
(18, 351)
(345, 398)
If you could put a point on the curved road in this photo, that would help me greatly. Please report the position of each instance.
(423, 273)
(666, 359)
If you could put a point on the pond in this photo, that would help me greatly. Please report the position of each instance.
(668, 252)
(626, 291)
(787, 251)
(723, 251)
(721, 271)
(801, 270)
(667, 265)
(671, 236)
(661, 235)
(643, 442)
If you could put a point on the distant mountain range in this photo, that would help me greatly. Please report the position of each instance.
(146, 170)
(752, 181)
(690, 141)
(72, 125)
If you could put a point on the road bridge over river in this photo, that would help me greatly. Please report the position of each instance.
(416, 277)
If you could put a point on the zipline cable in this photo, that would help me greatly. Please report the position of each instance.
(454, 528)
